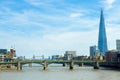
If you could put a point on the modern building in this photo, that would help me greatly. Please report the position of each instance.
(57, 57)
(112, 56)
(94, 50)
(21, 58)
(118, 45)
(2, 57)
(3, 51)
(118, 57)
(6, 55)
(102, 40)
(82, 57)
(69, 55)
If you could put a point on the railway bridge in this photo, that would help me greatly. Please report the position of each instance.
(71, 63)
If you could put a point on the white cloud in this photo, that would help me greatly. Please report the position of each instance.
(51, 43)
(54, 38)
(35, 2)
(43, 3)
(112, 35)
(73, 15)
(108, 3)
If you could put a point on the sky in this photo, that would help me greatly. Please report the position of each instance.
(51, 27)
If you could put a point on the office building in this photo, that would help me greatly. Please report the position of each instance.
(57, 57)
(2, 58)
(69, 55)
(3, 51)
(93, 50)
(102, 40)
(112, 56)
(118, 45)
(6, 55)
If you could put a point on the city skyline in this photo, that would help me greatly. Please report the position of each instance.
(37, 27)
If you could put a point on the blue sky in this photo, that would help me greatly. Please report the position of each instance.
(55, 26)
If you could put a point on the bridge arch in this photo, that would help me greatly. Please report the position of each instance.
(32, 63)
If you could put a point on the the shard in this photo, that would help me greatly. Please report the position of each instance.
(102, 40)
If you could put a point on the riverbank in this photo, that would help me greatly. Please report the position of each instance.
(7, 67)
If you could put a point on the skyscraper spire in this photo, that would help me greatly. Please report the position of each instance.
(102, 40)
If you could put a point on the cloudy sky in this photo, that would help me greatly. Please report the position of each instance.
(54, 26)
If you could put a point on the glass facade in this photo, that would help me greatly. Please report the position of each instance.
(102, 40)
(118, 45)
(94, 50)
(3, 51)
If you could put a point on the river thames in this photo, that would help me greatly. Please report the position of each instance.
(60, 73)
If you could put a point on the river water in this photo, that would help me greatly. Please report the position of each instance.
(60, 73)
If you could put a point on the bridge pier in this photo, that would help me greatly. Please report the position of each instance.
(71, 65)
(45, 65)
(96, 66)
(19, 66)
(64, 64)
(30, 65)
(81, 64)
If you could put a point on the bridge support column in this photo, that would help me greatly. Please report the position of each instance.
(64, 64)
(81, 64)
(45, 65)
(30, 65)
(71, 65)
(19, 66)
(96, 66)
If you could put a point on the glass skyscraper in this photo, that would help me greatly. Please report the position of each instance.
(118, 44)
(102, 40)
(94, 50)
